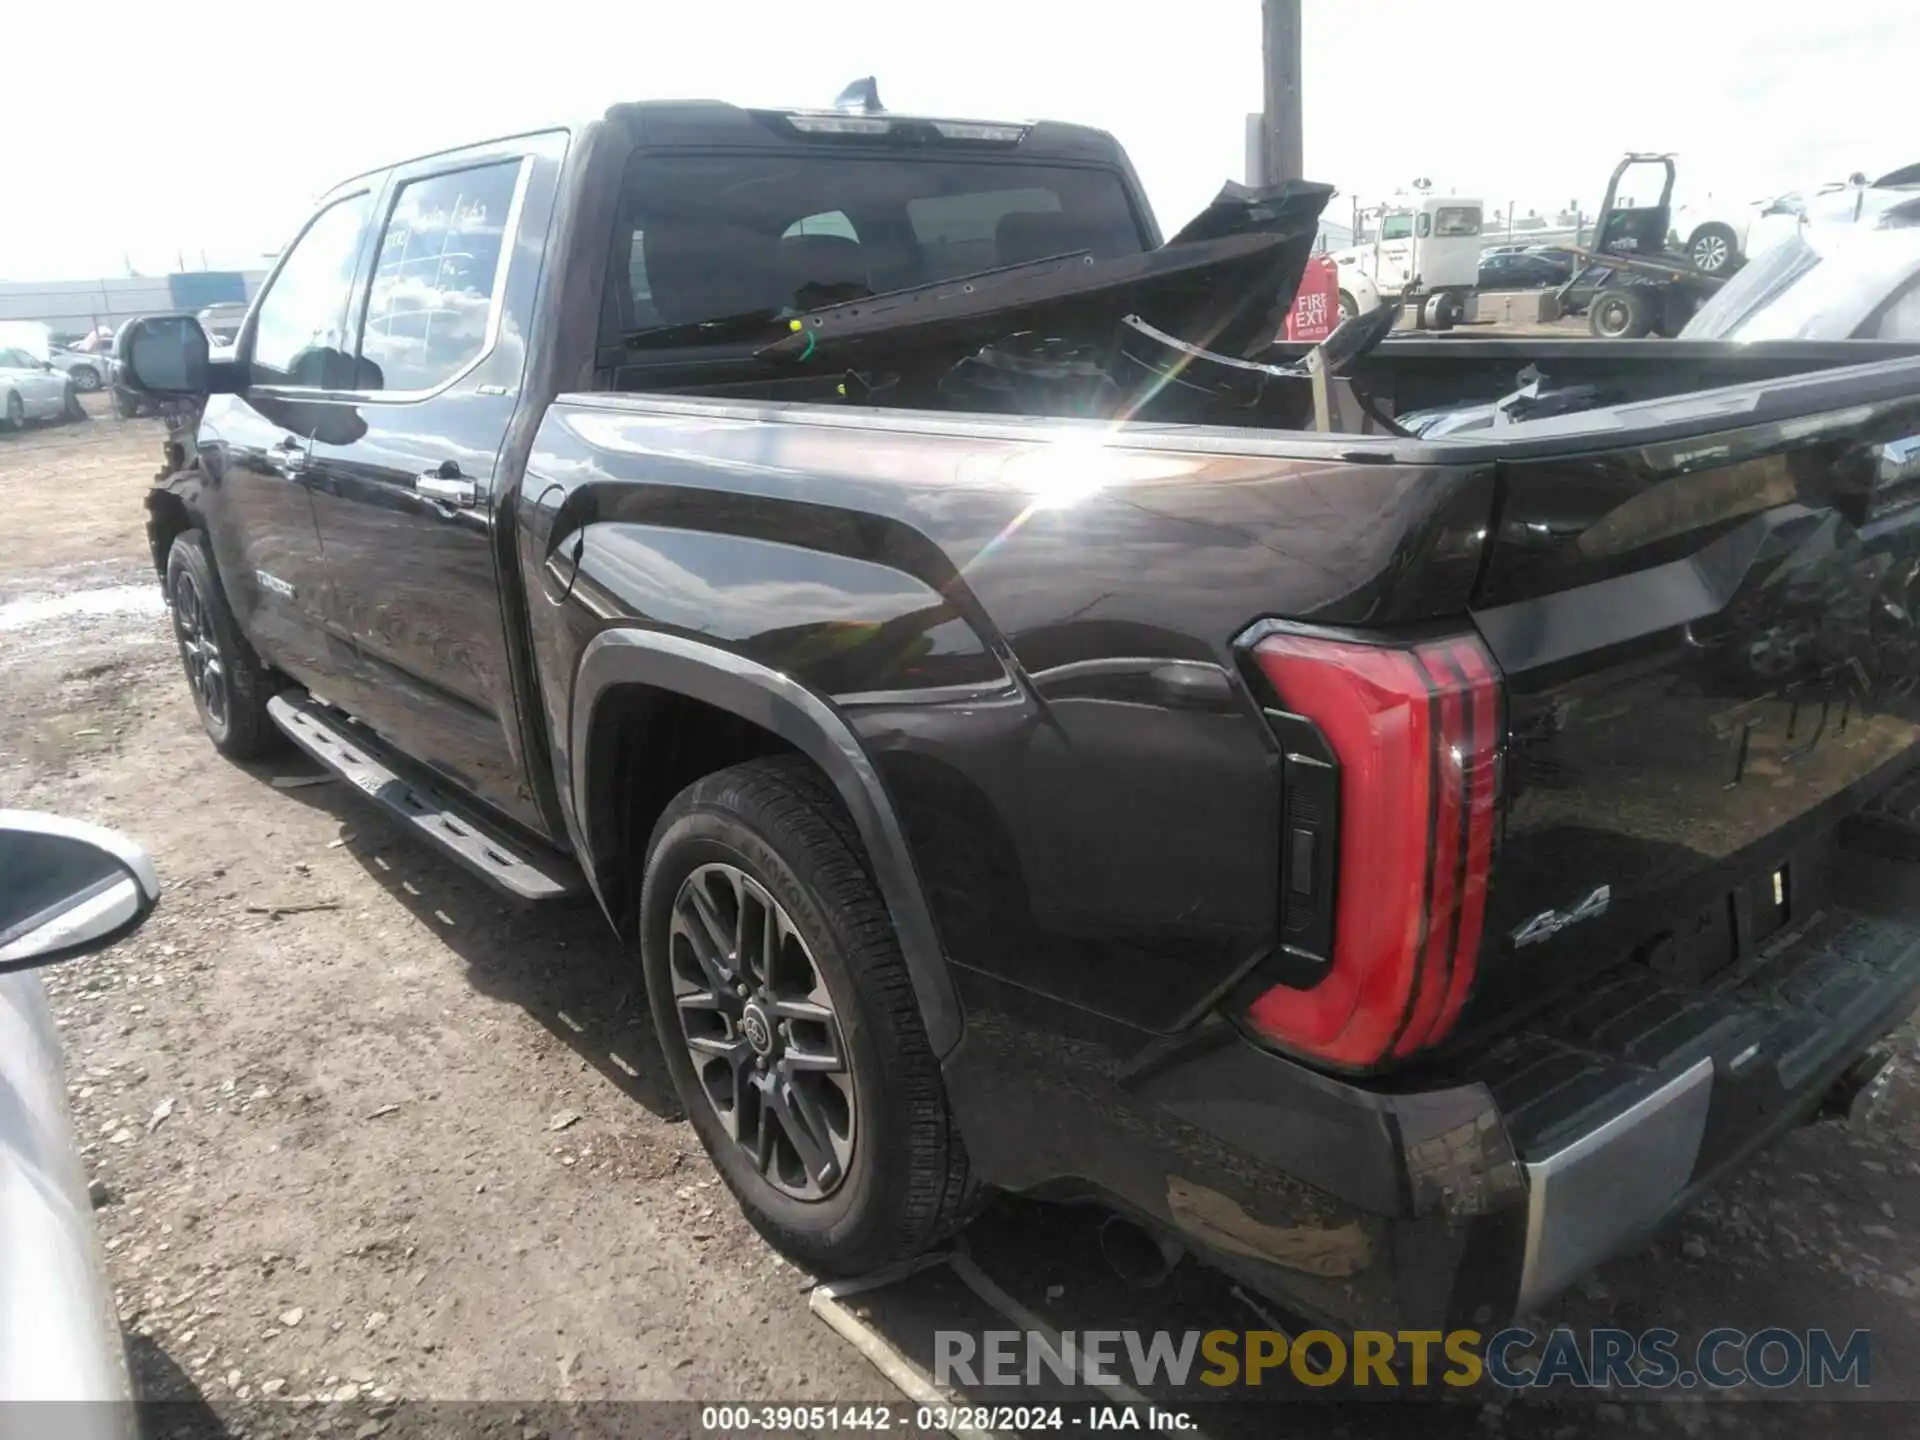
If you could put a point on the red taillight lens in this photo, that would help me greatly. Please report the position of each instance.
(1415, 733)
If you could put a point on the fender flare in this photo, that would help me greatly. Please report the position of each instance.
(777, 703)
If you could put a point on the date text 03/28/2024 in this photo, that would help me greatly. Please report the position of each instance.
(940, 1419)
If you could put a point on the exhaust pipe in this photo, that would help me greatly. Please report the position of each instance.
(1137, 1255)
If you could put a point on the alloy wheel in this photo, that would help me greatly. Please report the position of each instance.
(1709, 254)
(206, 673)
(761, 1030)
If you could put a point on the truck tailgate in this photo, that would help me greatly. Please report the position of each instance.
(1710, 658)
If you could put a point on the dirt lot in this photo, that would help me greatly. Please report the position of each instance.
(406, 1142)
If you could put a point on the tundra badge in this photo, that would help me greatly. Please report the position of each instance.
(1551, 922)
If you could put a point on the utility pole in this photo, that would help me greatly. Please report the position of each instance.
(1280, 57)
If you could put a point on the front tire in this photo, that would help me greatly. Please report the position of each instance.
(85, 378)
(789, 1023)
(230, 686)
(73, 409)
(16, 410)
(1349, 307)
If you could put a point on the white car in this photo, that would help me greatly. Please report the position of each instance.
(66, 889)
(32, 389)
(1719, 238)
(87, 371)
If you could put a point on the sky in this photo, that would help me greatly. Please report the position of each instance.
(203, 131)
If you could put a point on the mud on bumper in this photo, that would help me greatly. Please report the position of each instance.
(1573, 1137)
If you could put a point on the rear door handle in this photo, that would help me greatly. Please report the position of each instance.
(447, 489)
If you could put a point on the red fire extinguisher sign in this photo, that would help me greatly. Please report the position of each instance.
(1316, 308)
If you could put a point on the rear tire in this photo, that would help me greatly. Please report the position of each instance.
(85, 378)
(230, 686)
(1625, 313)
(888, 1176)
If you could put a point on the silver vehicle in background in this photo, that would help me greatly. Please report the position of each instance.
(33, 389)
(1822, 283)
(222, 322)
(66, 889)
(88, 371)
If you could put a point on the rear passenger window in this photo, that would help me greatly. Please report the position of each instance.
(437, 278)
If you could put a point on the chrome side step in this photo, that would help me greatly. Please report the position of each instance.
(403, 788)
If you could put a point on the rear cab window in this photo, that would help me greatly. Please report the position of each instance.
(714, 237)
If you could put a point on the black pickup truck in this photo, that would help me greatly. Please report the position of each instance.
(1041, 735)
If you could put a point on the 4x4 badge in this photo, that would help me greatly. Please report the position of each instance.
(1552, 922)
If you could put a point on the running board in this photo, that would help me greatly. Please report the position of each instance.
(401, 786)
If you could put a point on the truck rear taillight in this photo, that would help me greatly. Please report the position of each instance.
(1390, 763)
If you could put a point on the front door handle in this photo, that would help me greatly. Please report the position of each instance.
(453, 489)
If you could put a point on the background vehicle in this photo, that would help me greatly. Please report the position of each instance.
(1717, 240)
(66, 889)
(33, 389)
(1630, 285)
(1072, 765)
(222, 321)
(1518, 270)
(87, 372)
(1821, 284)
(1432, 245)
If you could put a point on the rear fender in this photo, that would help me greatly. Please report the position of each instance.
(782, 706)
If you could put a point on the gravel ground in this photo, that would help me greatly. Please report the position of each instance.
(360, 1128)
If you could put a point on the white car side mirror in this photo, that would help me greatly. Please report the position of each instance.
(67, 888)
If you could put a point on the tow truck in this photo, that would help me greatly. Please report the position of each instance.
(1631, 284)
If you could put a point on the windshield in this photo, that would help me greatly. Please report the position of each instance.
(714, 237)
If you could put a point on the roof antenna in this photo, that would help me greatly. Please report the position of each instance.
(862, 97)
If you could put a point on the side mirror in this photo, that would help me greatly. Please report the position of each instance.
(69, 889)
(163, 355)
